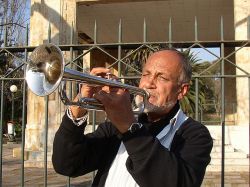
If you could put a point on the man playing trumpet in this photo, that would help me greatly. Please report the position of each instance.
(162, 147)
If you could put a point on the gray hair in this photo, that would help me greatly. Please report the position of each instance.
(186, 73)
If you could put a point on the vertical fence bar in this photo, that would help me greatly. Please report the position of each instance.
(71, 86)
(144, 31)
(196, 79)
(95, 33)
(24, 110)
(94, 120)
(195, 29)
(46, 100)
(71, 58)
(12, 106)
(222, 106)
(5, 34)
(46, 139)
(196, 98)
(170, 33)
(119, 47)
(1, 136)
(94, 112)
(93, 129)
(2, 111)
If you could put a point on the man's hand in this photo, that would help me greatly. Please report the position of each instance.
(117, 106)
(116, 101)
(88, 91)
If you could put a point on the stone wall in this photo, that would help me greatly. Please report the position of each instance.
(61, 16)
(241, 14)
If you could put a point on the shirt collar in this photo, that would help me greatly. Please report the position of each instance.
(156, 127)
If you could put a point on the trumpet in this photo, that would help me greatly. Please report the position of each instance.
(46, 72)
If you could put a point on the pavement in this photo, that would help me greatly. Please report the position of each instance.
(232, 179)
(34, 177)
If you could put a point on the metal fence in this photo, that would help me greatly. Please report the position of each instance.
(119, 60)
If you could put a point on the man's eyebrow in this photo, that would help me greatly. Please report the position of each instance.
(145, 70)
(163, 73)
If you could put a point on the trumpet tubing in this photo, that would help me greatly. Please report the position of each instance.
(46, 71)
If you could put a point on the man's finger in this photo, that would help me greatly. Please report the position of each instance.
(102, 96)
(99, 71)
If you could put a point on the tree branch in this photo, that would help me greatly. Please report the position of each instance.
(13, 24)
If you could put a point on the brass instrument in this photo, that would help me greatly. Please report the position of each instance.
(46, 71)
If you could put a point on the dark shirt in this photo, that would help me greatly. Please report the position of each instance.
(149, 163)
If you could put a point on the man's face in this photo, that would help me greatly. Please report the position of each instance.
(160, 78)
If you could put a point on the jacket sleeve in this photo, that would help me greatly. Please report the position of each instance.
(151, 164)
(76, 154)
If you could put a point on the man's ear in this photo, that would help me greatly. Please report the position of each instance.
(183, 90)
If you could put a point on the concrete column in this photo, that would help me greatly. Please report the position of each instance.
(61, 15)
(239, 134)
(241, 13)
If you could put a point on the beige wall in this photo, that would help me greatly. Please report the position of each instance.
(61, 15)
(241, 13)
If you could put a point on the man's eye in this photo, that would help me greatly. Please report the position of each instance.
(145, 74)
(163, 78)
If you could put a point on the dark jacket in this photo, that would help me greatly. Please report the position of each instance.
(150, 163)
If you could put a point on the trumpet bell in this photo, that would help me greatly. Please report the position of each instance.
(45, 69)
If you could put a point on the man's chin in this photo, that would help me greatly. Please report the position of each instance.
(153, 108)
(150, 108)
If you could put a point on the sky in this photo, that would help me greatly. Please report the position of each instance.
(203, 55)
